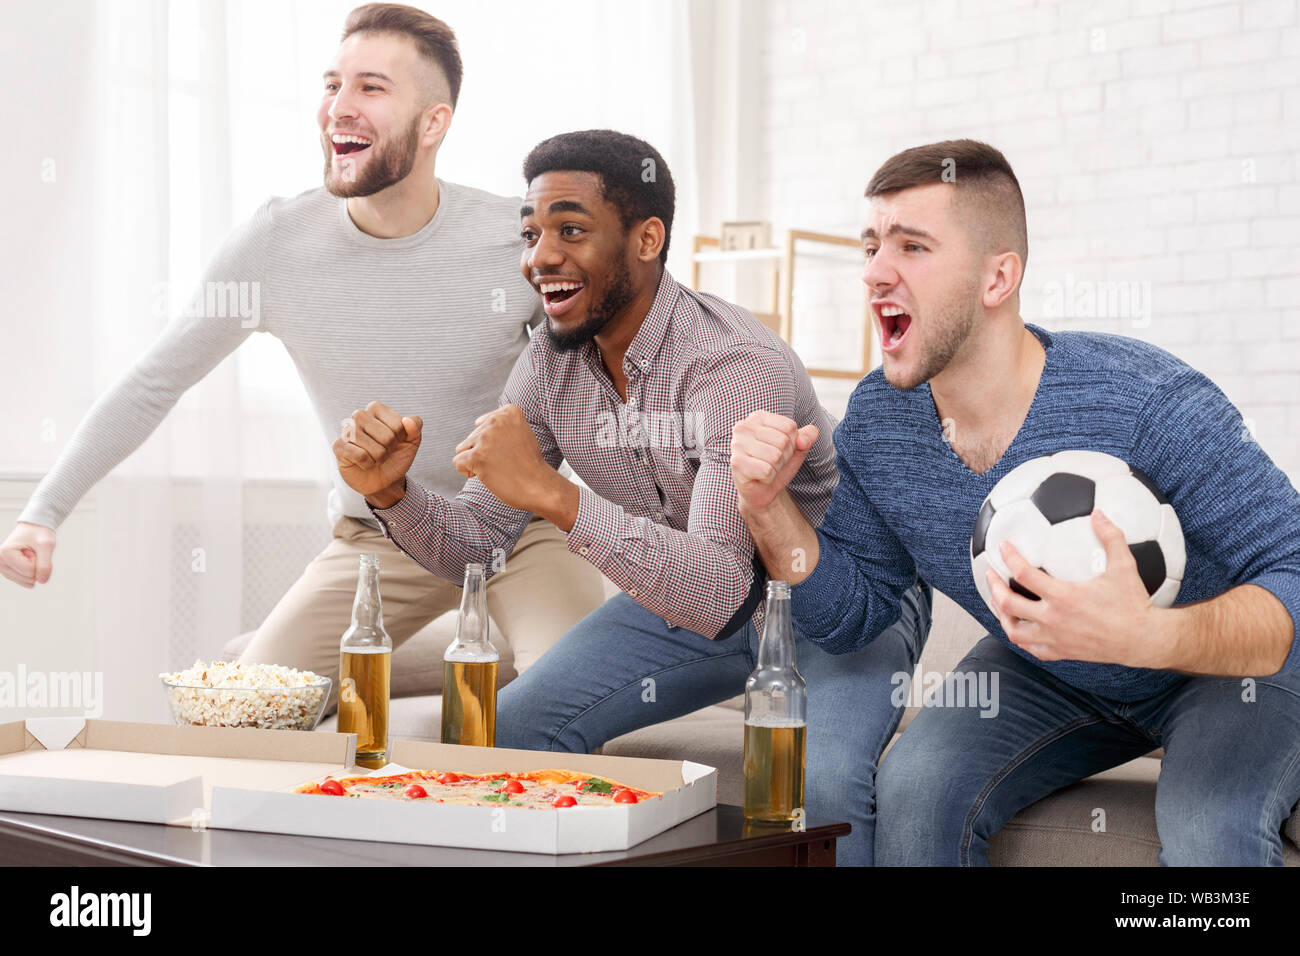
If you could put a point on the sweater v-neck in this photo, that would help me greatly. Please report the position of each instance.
(1023, 433)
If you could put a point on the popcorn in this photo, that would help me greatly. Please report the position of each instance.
(267, 696)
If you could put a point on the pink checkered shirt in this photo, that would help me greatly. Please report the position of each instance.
(658, 514)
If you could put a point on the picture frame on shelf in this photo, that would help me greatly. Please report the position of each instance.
(848, 250)
(745, 235)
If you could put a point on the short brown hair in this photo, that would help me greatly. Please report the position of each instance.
(435, 40)
(989, 193)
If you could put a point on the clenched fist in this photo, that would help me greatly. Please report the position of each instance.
(502, 453)
(376, 450)
(25, 555)
(766, 452)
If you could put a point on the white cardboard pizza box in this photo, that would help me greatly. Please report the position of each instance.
(153, 773)
(243, 779)
(688, 789)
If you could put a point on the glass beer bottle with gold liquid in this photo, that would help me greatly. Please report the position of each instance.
(776, 709)
(469, 671)
(365, 666)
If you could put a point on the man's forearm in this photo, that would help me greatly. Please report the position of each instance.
(442, 535)
(1244, 632)
(786, 542)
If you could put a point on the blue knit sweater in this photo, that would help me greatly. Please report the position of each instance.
(905, 505)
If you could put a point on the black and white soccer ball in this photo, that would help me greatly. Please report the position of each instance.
(1043, 507)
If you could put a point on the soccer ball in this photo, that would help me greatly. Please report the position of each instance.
(1043, 507)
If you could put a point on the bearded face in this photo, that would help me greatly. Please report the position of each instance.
(924, 278)
(617, 296)
(936, 336)
(357, 163)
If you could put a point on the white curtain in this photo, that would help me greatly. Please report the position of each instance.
(162, 201)
(188, 114)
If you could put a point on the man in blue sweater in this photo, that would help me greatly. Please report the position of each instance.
(1091, 675)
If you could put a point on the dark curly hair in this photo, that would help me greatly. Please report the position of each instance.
(634, 177)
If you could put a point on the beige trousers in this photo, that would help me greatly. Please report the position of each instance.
(543, 590)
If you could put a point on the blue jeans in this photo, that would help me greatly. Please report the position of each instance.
(1228, 781)
(622, 667)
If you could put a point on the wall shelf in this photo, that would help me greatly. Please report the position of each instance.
(779, 315)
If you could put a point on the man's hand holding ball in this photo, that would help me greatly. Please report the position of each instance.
(1108, 619)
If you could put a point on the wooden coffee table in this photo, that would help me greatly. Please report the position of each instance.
(719, 837)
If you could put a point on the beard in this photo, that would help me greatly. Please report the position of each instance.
(391, 163)
(954, 320)
(618, 295)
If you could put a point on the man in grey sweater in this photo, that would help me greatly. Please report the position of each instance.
(384, 283)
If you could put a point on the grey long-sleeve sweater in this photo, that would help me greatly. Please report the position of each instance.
(430, 324)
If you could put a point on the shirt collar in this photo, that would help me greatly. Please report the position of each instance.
(649, 339)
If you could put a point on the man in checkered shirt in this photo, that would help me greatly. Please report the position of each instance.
(636, 382)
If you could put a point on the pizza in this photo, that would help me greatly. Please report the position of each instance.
(536, 789)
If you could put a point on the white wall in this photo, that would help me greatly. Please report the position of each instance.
(1156, 141)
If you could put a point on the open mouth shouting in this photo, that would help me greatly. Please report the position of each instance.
(346, 144)
(558, 295)
(895, 323)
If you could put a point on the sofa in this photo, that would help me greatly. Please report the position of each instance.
(1055, 831)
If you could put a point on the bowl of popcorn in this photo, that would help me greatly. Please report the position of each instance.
(266, 696)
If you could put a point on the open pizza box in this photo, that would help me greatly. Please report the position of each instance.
(242, 779)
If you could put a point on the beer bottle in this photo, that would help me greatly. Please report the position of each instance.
(469, 671)
(776, 708)
(365, 665)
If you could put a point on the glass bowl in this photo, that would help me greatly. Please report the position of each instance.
(266, 708)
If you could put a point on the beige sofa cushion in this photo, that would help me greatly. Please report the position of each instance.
(409, 718)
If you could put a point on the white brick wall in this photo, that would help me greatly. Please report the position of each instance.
(1157, 141)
